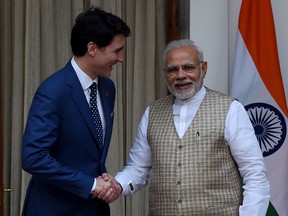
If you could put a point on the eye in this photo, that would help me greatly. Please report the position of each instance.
(172, 70)
(188, 68)
(118, 50)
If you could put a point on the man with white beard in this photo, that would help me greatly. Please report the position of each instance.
(196, 146)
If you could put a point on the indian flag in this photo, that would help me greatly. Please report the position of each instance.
(257, 84)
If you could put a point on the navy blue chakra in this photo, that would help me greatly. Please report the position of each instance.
(269, 125)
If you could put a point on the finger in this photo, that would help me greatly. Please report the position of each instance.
(103, 193)
(107, 196)
(106, 176)
(113, 196)
(95, 193)
(117, 189)
(113, 182)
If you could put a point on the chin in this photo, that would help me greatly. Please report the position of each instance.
(106, 75)
(184, 95)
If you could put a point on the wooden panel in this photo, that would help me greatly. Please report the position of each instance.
(1, 143)
(173, 31)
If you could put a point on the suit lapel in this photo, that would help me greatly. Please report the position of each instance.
(104, 95)
(79, 98)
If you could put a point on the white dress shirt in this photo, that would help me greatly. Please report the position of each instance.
(239, 135)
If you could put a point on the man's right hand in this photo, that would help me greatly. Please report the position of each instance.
(107, 188)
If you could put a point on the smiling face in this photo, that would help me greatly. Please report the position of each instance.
(107, 57)
(99, 61)
(183, 72)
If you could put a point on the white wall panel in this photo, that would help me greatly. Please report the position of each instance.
(209, 28)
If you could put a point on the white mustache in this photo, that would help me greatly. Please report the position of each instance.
(182, 82)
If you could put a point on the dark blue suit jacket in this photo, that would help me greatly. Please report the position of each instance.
(60, 147)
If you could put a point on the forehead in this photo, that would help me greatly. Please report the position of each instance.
(117, 42)
(182, 54)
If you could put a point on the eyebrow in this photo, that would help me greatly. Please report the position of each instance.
(119, 49)
(186, 64)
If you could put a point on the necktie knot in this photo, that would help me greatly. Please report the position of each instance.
(93, 87)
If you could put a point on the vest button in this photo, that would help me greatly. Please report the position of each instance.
(179, 182)
(179, 200)
(179, 164)
(180, 147)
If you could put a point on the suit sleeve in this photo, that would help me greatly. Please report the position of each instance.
(40, 136)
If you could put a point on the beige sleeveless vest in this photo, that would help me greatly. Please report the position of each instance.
(195, 175)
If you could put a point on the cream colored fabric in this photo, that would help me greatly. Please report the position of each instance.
(35, 43)
(195, 175)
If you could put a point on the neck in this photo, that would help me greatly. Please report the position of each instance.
(84, 65)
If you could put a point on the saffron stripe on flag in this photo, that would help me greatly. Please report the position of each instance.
(256, 25)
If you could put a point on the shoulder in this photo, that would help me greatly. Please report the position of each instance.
(106, 83)
(219, 95)
(58, 83)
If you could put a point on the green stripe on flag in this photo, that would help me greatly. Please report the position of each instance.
(271, 210)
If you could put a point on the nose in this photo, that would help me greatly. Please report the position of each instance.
(181, 74)
(120, 57)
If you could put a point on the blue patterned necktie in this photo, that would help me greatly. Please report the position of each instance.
(95, 113)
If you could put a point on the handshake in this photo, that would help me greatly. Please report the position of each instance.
(107, 188)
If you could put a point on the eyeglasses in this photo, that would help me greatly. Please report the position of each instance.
(187, 68)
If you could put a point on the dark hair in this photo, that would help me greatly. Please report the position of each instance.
(98, 26)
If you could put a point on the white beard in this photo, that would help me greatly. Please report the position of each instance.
(196, 86)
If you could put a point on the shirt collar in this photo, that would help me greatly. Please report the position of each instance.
(84, 79)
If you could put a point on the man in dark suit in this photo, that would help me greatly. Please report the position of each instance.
(60, 147)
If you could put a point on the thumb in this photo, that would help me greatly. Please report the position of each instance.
(105, 176)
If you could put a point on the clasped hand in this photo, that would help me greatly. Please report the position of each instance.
(107, 188)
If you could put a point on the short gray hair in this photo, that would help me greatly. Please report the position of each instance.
(182, 43)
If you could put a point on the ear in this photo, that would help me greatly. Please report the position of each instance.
(204, 68)
(91, 48)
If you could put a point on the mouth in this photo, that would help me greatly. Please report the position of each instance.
(183, 86)
(112, 65)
